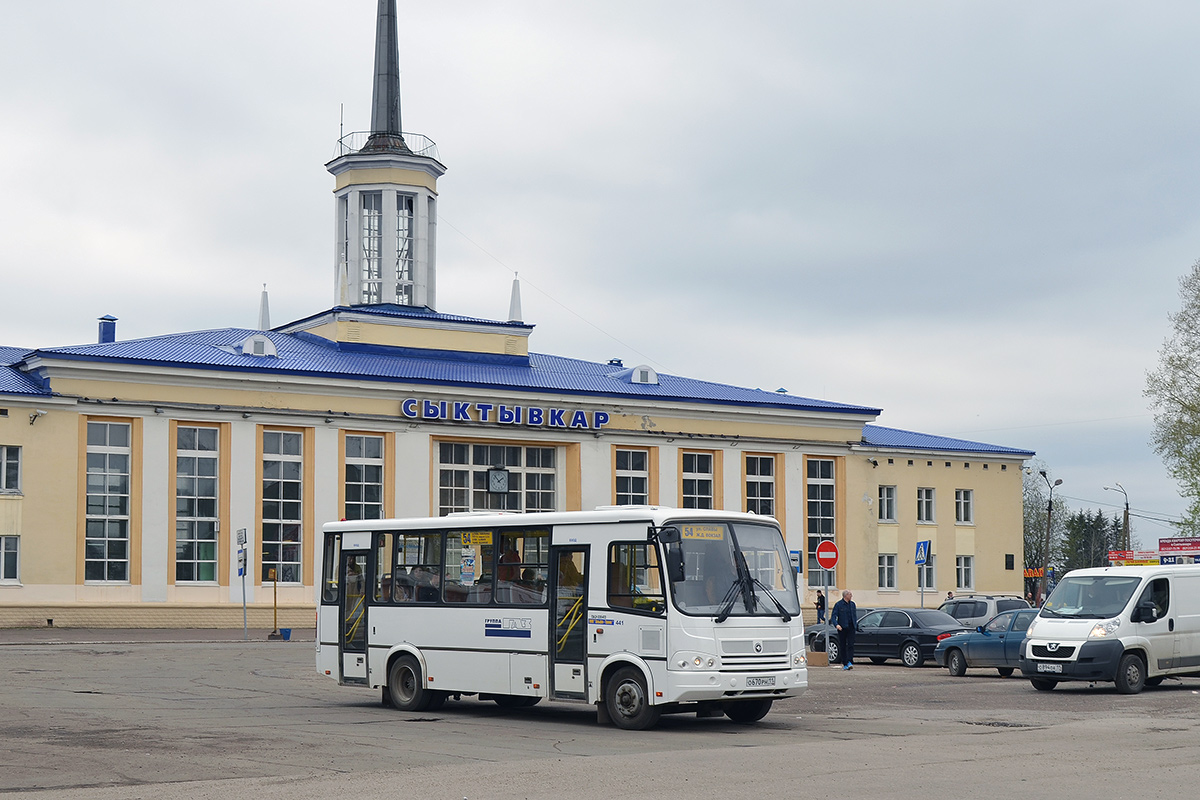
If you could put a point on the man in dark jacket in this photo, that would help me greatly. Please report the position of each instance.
(820, 606)
(844, 617)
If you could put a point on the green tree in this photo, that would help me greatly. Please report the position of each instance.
(1034, 494)
(1174, 391)
(1089, 537)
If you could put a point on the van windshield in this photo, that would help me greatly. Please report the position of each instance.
(733, 569)
(1091, 596)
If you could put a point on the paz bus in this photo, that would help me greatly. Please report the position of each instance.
(637, 610)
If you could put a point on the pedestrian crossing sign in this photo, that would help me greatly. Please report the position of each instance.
(922, 552)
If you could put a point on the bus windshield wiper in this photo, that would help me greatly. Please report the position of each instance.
(728, 600)
(783, 612)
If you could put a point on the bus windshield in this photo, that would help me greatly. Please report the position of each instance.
(1091, 596)
(724, 569)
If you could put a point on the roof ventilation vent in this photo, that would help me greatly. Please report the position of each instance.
(639, 374)
(258, 345)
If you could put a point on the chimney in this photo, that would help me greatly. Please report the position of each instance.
(108, 329)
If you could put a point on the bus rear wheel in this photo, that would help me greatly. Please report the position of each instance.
(745, 712)
(628, 701)
(406, 686)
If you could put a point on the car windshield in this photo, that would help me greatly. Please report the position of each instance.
(738, 569)
(1091, 596)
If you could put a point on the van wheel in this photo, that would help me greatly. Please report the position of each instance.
(406, 685)
(1004, 671)
(1131, 674)
(628, 701)
(1043, 684)
(956, 663)
(910, 654)
(745, 712)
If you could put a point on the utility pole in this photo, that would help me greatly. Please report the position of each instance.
(1046, 556)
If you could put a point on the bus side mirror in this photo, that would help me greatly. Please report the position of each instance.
(667, 534)
(675, 571)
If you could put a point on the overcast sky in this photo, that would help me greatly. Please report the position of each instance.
(971, 215)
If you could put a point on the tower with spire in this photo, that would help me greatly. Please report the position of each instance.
(386, 196)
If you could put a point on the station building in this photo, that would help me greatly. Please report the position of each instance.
(132, 470)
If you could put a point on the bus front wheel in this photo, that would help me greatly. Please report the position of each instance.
(745, 712)
(628, 701)
(406, 685)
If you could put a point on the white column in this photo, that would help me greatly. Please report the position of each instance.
(733, 464)
(416, 488)
(243, 490)
(595, 473)
(156, 539)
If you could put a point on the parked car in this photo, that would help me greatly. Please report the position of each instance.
(815, 635)
(995, 644)
(909, 634)
(976, 609)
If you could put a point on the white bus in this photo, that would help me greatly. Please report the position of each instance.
(637, 610)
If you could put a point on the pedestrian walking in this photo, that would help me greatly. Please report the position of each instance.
(820, 606)
(844, 617)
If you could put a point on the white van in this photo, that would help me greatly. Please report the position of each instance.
(1131, 625)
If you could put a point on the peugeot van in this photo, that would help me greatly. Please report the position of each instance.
(1133, 626)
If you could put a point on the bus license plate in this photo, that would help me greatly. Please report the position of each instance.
(754, 683)
(1043, 667)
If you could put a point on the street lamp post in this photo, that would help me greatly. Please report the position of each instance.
(1125, 526)
(1046, 556)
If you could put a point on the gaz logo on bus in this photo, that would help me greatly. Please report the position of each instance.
(703, 532)
(509, 627)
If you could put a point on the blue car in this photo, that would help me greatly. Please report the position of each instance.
(995, 644)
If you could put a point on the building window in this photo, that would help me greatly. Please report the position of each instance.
(282, 505)
(760, 485)
(964, 571)
(532, 475)
(10, 468)
(927, 574)
(887, 503)
(196, 521)
(106, 525)
(633, 477)
(371, 271)
(404, 249)
(697, 480)
(964, 506)
(925, 506)
(820, 498)
(887, 570)
(10, 559)
(364, 477)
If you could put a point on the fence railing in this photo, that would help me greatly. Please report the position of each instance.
(418, 143)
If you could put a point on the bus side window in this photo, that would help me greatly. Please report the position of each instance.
(329, 586)
(634, 579)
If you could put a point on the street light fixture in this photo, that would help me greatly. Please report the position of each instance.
(1125, 527)
(1046, 556)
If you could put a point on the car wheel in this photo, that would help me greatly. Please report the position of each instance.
(628, 701)
(834, 650)
(1131, 674)
(745, 712)
(1154, 681)
(956, 663)
(1004, 671)
(877, 659)
(406, 686)
(910, 654)
(1043, 684)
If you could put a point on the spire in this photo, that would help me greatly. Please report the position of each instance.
(385, 94)
(514, 304)
(264, 313)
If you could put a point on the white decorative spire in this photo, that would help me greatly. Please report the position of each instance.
(514, 304)
(264, 313)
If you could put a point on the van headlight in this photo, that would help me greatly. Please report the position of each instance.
(1102, 630)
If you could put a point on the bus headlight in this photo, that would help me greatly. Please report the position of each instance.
(1104, 629)
(798, 659)
(693, 660)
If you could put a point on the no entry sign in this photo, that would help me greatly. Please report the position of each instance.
(827, 555)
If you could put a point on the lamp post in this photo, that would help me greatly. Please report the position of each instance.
(1125, 526)
(1046, 556)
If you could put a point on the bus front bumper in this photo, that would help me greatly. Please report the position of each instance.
(698, 685)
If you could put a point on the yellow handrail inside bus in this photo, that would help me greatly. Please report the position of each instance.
(356, 615)
(570, 619)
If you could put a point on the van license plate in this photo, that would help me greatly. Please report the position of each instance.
(1044, 667)
(754, 683)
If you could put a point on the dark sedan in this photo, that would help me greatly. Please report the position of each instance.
(996, 644)
(909, 634)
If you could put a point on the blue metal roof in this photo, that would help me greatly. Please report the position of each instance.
(878, 436)
(305, 354)
(13, 381)
(11, 355)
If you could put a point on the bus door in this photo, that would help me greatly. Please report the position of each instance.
(352, 626)
(568, 626)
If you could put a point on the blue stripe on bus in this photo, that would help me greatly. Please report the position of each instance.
(511, 633)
